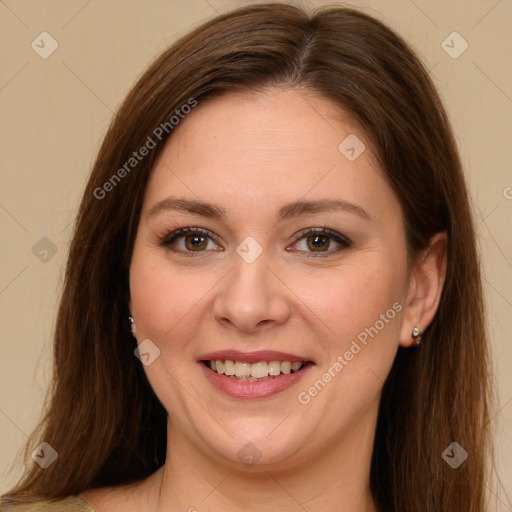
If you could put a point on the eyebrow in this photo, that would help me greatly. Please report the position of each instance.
(288, 211)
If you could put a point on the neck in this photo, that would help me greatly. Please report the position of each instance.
(336, 479)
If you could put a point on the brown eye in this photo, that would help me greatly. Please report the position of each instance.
(189, 240)
(320, 241)
(195, 242)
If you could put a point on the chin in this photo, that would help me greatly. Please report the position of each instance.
(257, 443)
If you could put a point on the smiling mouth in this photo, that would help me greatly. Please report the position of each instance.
(255, 372)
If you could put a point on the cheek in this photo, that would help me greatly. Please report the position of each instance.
(346, 301)
(164, 297)
(360, 306)
(362, 311)
(166, 303)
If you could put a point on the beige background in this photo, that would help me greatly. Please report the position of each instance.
(55, 111)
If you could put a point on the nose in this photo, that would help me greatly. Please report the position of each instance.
(251, 297)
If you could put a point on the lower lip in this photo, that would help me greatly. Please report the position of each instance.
(245, 389)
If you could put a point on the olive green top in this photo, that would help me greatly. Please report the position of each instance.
(69, 504)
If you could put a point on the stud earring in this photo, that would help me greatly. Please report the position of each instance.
(416, 334)
(132, 324)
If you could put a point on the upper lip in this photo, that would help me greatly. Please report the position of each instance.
(251, 357)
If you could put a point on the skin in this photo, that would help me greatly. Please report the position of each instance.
(250, 154)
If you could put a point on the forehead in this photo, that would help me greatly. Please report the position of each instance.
(248, 151)
(273, 125)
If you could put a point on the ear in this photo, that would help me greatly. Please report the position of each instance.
(425, 286)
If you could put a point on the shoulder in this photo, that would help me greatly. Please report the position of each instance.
(69, 504)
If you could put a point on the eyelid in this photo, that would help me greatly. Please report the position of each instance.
(323, 231)
(343, 242)
(340, 239)
(170, 237)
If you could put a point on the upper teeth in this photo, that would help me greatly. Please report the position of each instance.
(257, 370)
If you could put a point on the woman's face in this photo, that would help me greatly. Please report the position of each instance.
(248, 282)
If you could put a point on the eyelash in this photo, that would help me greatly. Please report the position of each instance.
(342, 240)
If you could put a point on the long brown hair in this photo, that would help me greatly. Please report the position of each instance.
(103, 418)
